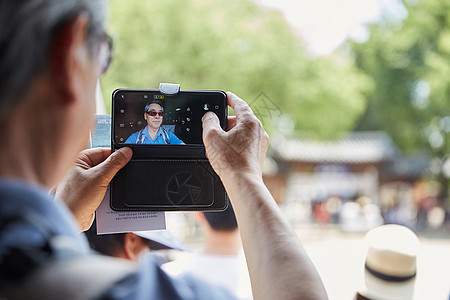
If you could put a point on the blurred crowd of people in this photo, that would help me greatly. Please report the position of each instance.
(424, 213)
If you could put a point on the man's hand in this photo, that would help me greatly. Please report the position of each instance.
(278, 265)
(85, 185)
(240, 150)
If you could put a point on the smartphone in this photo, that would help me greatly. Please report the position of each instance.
(148, 117)
(169, 169)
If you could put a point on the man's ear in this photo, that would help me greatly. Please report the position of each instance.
(129, 245)
(133, 246)
(68, 50)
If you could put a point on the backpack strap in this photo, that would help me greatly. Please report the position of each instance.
(83, 277)
(140, 137)
(57, 269)
(165, 136)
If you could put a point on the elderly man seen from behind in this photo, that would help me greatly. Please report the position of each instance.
(52, 55)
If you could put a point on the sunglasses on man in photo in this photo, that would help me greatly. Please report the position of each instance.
(153, 113)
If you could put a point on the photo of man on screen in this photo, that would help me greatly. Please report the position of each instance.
(153, 133)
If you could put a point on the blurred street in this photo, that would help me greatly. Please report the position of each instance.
(339, 258)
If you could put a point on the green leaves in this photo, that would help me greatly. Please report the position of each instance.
(234, 45)
(410, 65)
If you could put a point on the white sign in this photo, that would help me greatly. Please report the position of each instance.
(111, 221)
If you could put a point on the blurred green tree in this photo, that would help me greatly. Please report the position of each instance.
(239, 46)
(409, 61)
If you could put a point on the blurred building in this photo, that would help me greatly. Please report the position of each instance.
(362, 167)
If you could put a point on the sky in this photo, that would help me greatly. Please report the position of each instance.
(325, 24)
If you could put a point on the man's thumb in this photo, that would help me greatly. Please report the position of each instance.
(211, 126)
(116, 161)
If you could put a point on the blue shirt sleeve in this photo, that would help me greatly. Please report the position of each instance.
(174, 139)
(132, 138)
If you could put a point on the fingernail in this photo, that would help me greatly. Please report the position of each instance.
(126, 151)
(205, 115)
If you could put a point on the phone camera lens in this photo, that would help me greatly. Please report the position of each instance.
(188, 129)
(122, 111)
(216, 107)
(121, 139)
(206, 106)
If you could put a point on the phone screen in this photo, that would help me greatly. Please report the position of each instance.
(148, 117)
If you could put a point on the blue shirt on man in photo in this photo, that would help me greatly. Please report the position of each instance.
(162, 137)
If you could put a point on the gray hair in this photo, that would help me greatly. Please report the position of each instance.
(27, 30)
(159, 102)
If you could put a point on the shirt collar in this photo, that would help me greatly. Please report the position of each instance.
(147, 135)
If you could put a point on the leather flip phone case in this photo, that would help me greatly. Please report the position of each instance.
(168, 184)
(167, 178)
